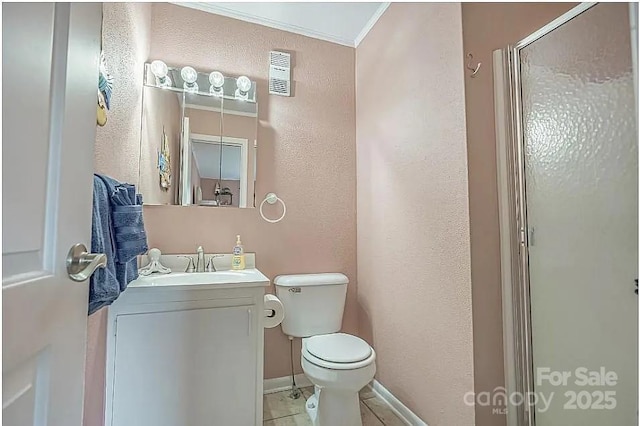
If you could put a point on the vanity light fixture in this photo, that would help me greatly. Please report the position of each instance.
(217, 82)
(243, 85)
(189, 76)
(160, 71)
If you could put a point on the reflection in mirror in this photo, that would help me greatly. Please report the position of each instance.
(220, 170)
(239, 130)
(159, 164)
(198, 141)
(202, 119)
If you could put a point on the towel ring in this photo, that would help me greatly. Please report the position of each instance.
(272, 198)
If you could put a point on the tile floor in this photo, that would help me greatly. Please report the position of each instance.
(281, 410)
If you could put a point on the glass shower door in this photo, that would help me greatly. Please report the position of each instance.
(581, 188)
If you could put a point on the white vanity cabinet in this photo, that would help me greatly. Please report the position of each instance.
(186, 355)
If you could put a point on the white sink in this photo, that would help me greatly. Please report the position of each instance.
(219, 279)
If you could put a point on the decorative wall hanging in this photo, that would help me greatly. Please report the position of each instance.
(101, 112)
(105, 88)
(105, 81)
(164, 162)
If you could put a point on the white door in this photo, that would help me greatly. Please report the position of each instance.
(581, 169)
(50, 57)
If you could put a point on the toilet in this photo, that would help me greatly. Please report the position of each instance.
(338, 364)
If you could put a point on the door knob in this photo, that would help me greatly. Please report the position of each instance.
(80, 264)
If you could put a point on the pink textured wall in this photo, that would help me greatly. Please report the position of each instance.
(414, 283)
(486, 27)
(94, 379)
(306, 154)
(125, 32)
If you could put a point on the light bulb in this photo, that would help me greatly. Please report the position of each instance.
(217, 82)
(216, 79)
(189, 75)
(244, 84)
(159, 69)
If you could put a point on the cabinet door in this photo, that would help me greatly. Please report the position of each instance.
(194, 367)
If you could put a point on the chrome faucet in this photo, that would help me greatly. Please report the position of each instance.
(200, 264)
(210, 265)
(190, 265)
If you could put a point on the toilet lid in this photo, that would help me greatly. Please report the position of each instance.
(338, 347)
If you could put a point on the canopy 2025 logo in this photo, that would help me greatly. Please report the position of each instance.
(597, 394)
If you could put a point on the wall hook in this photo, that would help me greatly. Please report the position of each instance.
(471, 68)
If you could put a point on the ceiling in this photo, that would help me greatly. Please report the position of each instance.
(342, 23)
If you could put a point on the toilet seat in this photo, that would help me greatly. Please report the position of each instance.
(338, 347)
(338, 351)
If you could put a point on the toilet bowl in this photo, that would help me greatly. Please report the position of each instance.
(338, 364)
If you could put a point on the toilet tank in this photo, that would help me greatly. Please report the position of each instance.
(313, 303)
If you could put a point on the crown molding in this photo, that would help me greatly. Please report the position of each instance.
(383, 7)
(247, 17)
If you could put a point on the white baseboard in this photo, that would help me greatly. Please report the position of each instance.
(279, 384)
(399, 409)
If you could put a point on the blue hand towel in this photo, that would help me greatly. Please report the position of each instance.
(105, 287)
(118, 228)
(124, 216)
(127, 222)
(131, 239)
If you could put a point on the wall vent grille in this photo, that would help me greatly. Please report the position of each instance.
(279, 73)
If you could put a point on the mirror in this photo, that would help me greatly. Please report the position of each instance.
(239, 149)
(198, 140)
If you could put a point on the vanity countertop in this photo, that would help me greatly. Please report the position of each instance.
(179, 262)
(220, 279)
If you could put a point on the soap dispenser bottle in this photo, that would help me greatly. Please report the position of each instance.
(237, 262)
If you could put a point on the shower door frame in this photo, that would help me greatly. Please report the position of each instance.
(514, 238)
